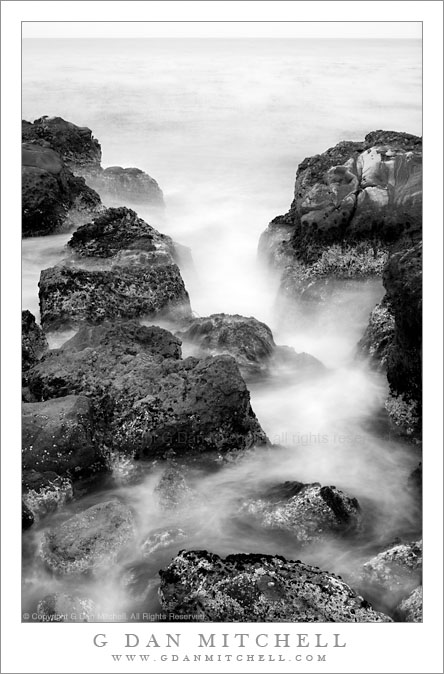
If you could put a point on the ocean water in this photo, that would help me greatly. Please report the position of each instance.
(222, 126)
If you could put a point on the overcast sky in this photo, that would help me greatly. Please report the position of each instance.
(301, 29)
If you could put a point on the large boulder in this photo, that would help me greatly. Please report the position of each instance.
(34, 342)
(147, 405)
(76, 145)
(53, 199)
(58, 435)
(90, 541)
(130, 185)
(119, 267)
(248, 340)
(308, 512)
(258, 588)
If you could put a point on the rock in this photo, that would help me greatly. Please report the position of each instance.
(119, 229)
(161, 539)
(248, 340)
(46, 492)
(128, 185)
(172, 489)
(411, 607)
(137, 581)
(53, 199)
(70, 296)
(308, 512)
(66, 608)
(351, 205)
(27, 517)
(90, 541)
(120, 267)
(258, 588)
(396, 571)
(377, 341)
(76, 145)
(403, 282)
(415, 479)
(146, 405)
(34, 343)
(58, 435)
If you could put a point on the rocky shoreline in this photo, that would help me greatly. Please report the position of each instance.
(119, 390)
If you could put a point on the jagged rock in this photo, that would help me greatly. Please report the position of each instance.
(308, 512)
(76, 145)
(66, 608)
(58, 435)
(161, 539)
(248, 340)
(34, 342)
(46, 492)
(148, 405)
(258, 588)
(411, 607)
(395, 571)
(53, 199)
(377, 340)
(127, 184)
(121, 268)
(91, 540)
(70, 296)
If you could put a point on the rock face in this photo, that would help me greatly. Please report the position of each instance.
(128, 184)
(145, 404)
(34, 342)
(82, 154)
(258, 588)
(377, 340)
(308, 512)
(411, 607)
(120, 267)
(53, 199)
(58, 435)
(248, 340)
(89, 541)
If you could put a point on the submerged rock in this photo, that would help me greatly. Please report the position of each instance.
(172, 489)
(128, 184)
(411, 607)
(91, 540)
(66, 608)
(34, 342)
(308, 512)
(161, 539)
(147, 405)
(258, 588)
(396, 571)
(53, 199)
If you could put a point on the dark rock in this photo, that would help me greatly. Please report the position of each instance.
(258, 588)
(377, 340)
(148, 405)
(161, 539)
(71, 296)
(58, 435)
(411, 607)
(127, 184)
(308, 512)
(76, 145)
(52, 197)
(415, 479)
(66, 608)
(27, 517)
(34, 343)
(91, 540)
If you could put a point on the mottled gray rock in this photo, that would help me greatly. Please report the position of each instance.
(91, 540)
(397, 570)
(34, 342)
(258, 588)
(65, 608)
(411, 607)
(129, 185)
(46, 492)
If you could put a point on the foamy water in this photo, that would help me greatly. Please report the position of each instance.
(222, 126)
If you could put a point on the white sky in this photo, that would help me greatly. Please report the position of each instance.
(301, 29)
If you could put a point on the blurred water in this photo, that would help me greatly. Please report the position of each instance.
(222, 125)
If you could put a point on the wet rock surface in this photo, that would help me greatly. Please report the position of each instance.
(45, 492)
(411, 607)
(258, 588)
(308, 512)
(90, 541)
(60, 607)
(161, 539)
(127, 184)
(34, 342)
